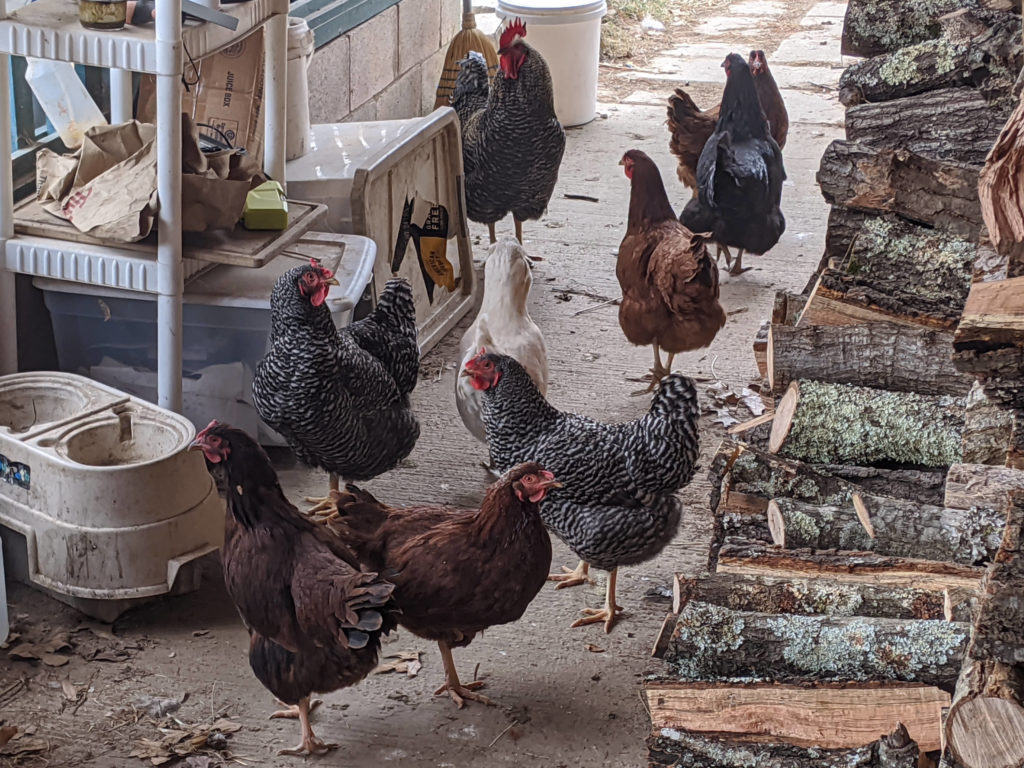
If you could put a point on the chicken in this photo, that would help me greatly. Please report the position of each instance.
(739, 175)
(691, 128)
(512, 143)
(314, 616)
(503, 325)
(456, 571)
(618, 505)
(339, 397)
(669, 282)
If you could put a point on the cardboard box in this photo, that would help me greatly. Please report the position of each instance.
(227, 96)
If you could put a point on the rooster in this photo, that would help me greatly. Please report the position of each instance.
(512, 143)
(618, 504)
(691, 128)
(669, 282)
(314, 616)
(503, 325)
(339, 397)
(456, 571)
(739, 175)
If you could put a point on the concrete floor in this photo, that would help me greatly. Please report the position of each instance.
(568, 697)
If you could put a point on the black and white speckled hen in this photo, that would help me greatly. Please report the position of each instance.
(340, 397)
(618, 505)
(512, 142)
(314, 616)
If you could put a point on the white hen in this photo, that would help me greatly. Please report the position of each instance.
(504, 326)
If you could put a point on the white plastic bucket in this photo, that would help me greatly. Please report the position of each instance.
(300, 54)
(568, 35)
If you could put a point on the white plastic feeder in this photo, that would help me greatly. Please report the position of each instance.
(111, 507)
(568, 35)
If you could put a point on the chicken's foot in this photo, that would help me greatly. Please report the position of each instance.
(657, 373)
(325, 508)
(457, 690)
(721, 250)
(572, 578)
(292, 712)
(519, 229)
(310, 744)
(490, 232)
(737, 267)
(609, 614)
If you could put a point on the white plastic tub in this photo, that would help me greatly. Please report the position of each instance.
(568, 35)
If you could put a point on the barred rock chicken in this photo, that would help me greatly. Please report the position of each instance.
(669, 282)
(512, 143)
(456, 571)
(340, 397)
(691, 128)
(503, 325)
(314, 616)
(739, 175)
(618, 504)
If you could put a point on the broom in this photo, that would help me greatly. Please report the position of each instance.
(468, 39)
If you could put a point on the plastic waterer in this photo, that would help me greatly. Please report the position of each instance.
(568, 35)
(64, 99)
(109, 506)
(110, 335)
(398, 182)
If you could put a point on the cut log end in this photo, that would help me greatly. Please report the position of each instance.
(784, 414)
(988, 733)
(770, 361)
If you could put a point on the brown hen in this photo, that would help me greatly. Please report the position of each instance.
(669, 282)
(456, 571)
(691, 128)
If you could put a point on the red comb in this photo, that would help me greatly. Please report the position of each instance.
(207, 428)
(321, 269)
(517, 27)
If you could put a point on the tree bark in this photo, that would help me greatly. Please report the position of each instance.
(990, 430)
(897, 528)
(765, 594)
(998, 369)
(748, 558)
(993, 316)
(710, 643)
(925, 124)
(935, 193)
(980, 485)
(985, 724)
(884, 355)
(982, 59)
(998, 632)
(873, 27)
(841, 424)
(679, 748)
(925, 486)
(752, 526)
(999, 192)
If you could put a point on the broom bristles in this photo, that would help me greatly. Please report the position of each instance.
(468, 39)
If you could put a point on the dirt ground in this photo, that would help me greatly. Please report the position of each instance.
(567, 697)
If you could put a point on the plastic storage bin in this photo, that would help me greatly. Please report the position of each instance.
(5, 624)
(568, 35)
(110, 335)
(381, 179)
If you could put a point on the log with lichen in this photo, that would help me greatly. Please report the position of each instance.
(937, 193)
(842, 424)
(998, 631)
(884, 355)
(984, 727)
(872, 27)
(981, 485)
(673, 747)
(820, 595)
(989, 341)
(712, 643)
(896, 527)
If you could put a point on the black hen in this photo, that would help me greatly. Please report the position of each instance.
(340, 397)
(739, 174)
(314, 616)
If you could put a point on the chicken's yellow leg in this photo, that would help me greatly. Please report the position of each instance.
(609, 614)
(292, 712)
(454, 688)
(490, 231)
(581, 575)
(737, 264)
(519, 229)
(326, 508)
(310, 744)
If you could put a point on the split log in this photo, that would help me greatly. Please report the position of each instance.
(785, 311)
(985, 724)
(766, 594)
(926, 487)
(998, 632)
(980, 485)
(747, 558)
(884, 355)
(998, 369)
(872, 27)
(671, 747)
(1000, 194)
(841, 424)
(989, 429)
(844, 227)
(937, 193)
(710, 643)
(925, 124)
(801, 715)
(993, 315)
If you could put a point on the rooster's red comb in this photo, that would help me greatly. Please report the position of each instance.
(207, 428)
(517, 27)
(315, 264)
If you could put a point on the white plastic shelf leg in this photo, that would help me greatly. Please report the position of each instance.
(120, 96)
(276, 76)
(8, 308)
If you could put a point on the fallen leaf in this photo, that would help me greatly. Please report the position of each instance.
(12, 638)
(403, 661)
(109, 654)
(23, 746)
(156, 706)
(25, 651)
(753, 401)
(414, 668)
(59, 642)
(7, 732)
(97, 629)
(594, 648)
(70, 692)
(54, 659)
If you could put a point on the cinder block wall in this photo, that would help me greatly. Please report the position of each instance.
(386, 68)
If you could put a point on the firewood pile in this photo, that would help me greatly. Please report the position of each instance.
(864, 604)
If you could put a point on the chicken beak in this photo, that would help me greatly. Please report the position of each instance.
(333, 281)
(552, 484)
(466, 372)
(195, 445)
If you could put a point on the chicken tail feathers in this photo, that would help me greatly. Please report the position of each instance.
(472, 83)
(681, 108)
(389, 334)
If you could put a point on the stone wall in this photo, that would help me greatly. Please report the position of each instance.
(386, 68)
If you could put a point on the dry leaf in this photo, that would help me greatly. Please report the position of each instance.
(110, 654)
(59, 642)
(70, 692)
(753, 401)
(23, 746)
(403, 661)
(54, 660)
(594, 648)
(7, 732)
(12, 638)
(414, 668)
(157, 707)
(97, 629)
